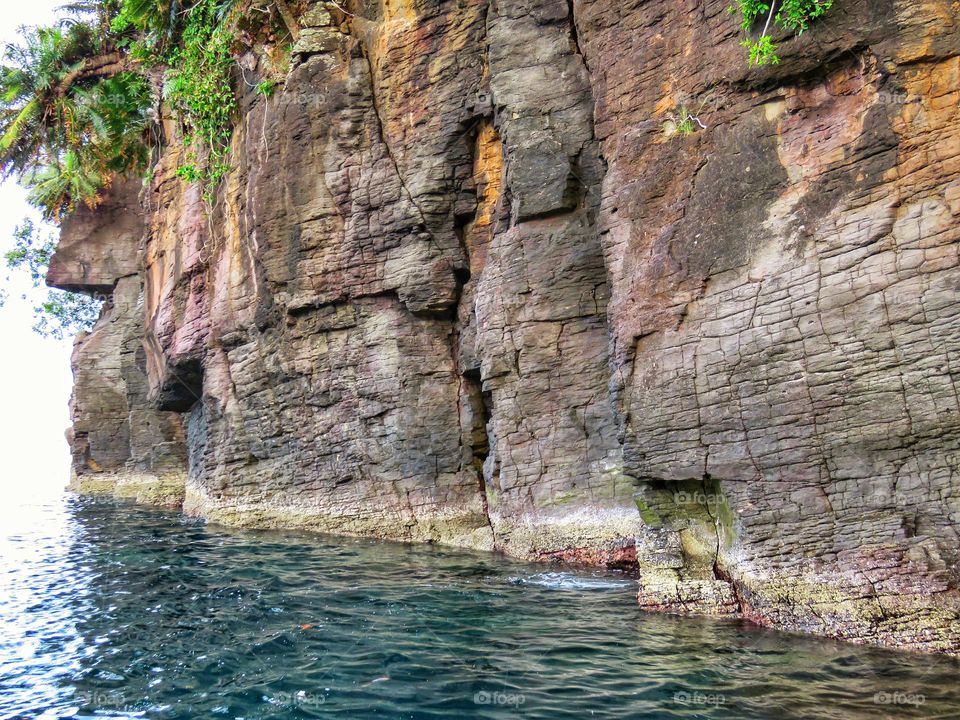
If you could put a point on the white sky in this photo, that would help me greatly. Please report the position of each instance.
(34, 372)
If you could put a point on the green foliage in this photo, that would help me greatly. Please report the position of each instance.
(35, 114)
(686, 126)
(680, 124)
(686, 120)
(75, 98)
(29, 253)
(192, 39)
(190, 172)
(199, 89)
(117, 111)
(792, 15)
(76, 102)
(64, 314)
(266, 88)
(150, 17)
(762, 51)
(157, 25)
(59, 185)
(60, 314)
(71, 116)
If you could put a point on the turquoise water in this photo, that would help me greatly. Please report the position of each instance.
(112, 611)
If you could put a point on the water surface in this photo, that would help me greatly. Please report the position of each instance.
(112, 611)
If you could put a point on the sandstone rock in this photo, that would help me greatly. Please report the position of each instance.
(777, 337)
(100, 245)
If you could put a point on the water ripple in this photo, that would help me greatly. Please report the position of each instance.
(112, 611)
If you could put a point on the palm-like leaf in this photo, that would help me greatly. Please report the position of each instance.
(13, 130)
(66, 124)
(159, 17)
(58, 187)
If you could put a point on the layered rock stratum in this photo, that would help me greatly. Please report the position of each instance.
(467, 283)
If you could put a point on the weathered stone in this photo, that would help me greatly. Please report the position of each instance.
(318, 15)
(120, 443)
(460, 286)
(782, 332)
(100, 245)
(316, 40)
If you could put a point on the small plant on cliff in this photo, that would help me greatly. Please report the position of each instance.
(791, 15)
(266, 88)
(60, 314)
(682, 123)
(194, 40)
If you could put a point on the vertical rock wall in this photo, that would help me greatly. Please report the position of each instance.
(783, 314)
(467, 283)
(121, 444)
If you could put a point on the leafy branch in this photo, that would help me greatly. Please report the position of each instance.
(60, 314)
(791, 15)
(76, 101)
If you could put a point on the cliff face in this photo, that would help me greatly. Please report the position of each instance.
(466, 283)
(119, 440)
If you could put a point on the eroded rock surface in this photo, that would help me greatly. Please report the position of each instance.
(121, 444)
(783, 314)
(467, 284)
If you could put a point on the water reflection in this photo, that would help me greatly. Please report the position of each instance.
(113, 611)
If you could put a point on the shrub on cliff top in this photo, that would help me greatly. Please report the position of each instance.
(198, 89)
(75, 98)
(792, 15)
(76, 109)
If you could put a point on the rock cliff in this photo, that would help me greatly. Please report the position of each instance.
(469, 282)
